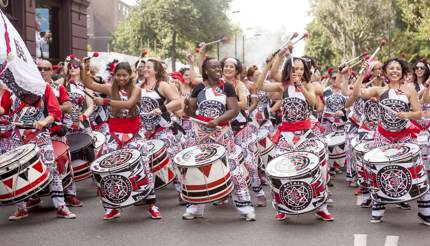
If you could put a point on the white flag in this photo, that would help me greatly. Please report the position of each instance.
(18, 70)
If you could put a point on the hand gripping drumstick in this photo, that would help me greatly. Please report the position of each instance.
(95, 54)
(382, 43)
(223, 40)
(204, 122)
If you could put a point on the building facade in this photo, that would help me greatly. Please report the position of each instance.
(52, 29)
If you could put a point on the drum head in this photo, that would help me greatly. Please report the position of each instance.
(200, 155)
(314, 146)
(116, 160)
(391, 153)
(99, 139)
(363, 147)
(78, 141)
(292, 164)
(153, 146)
(15, 154)
(335, 139)
(59, 148)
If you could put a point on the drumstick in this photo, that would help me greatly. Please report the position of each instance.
(88, 94)
(203, 122)
(388, 109)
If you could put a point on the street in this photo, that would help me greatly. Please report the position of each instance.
(221, 225)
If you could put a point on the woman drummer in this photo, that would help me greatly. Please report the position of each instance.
(124, 122)
(395, 128)
(298, 97)
(244, 134)
(215, 102)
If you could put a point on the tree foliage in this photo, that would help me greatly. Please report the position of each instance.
(169, 28)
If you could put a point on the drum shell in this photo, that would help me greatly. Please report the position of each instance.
(240, 158)
(423, 142)
(410, 179)
(161, 164)
(134, 183)
(359, 166)
(81, 170)
(81, 147)
(24, 177)
(265, 147)
(99, 140)
(206, 182)
(336, 149)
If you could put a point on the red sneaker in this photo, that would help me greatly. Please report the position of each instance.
(19, 214)
(357, 191)
(73, 201)
(112, 214)
(33, 202)
(64, 212)
(324, 216)
(154, 212)
(280, 216)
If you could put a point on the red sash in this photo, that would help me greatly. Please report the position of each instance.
(124, 125)
(395, 136)
(291, 127)
(206, 119)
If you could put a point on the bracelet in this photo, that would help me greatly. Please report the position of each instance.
(84, 117)
(106, 101)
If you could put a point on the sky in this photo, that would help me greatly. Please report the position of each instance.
(289, 15)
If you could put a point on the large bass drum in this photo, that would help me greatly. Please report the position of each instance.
(22, 174)
(161, 165)
(297, 183)
(121, 178)
(396, 173)
(204, 173)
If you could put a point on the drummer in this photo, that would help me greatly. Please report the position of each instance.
(124, 122)
(244, 134)
(215, 102)
(395, 128)
(298, 96)
(57, 132)
(41, 115)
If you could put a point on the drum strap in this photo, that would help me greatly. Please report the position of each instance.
(121, 143)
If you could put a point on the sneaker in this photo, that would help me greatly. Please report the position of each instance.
(250, 216)
(114, 213)
(191, 216)
(338, 171)
(366, 203)
(352, 184)
(357, 191)
(64, 212)
(220, 202)
(330, 184)
(376, 219)
(280, 216)
(324, 216)
(261, 201)
(154, 212)
(425, 219)
(404, 205)
(329, 202)
(33, 202)
(19, 214)
(73, 201)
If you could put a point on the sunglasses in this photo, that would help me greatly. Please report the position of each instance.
(44, 69)
(73, 65)
(420, 68)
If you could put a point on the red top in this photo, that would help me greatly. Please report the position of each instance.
(63, 95)
(52, 103)
(6, 101)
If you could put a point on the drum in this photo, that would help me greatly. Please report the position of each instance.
(204, 173)
(396, 173)
(336, 149)
(297, 183)
(423, 142)
(161, 165)
(99, 139)
(240, 158)
(358, 153)
(64, 168)
(120, 178)
(22, 174)
(82, 154)
(265, 146)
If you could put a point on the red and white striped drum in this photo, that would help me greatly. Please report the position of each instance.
(240, 158)
(396, 173)
(22, 174)
(423, 142)
(265, 146)
(64, 167)
(161, 165)
(297, 183)
(204, 173)
(99, 139)
(121, 178)
(336, 149)
(82, 152)
(359, 151)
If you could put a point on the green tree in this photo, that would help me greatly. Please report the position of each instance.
(171, 27)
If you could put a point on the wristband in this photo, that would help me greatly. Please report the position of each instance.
(106, 101)
(84, 117)
(163, 108)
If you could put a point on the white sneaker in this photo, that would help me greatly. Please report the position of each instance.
(191, 216)
(250, 216)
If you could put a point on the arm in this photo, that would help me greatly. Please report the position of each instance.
(90, 104)
(275, 73)
(240, 91)
(253, 98)
(64, 100)
(89, 81)
(309, 93)
(415, 113)
(172, 95)
(355, 91)
(231, 113)
(268, 87)
(129, 104)
(195, 79)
